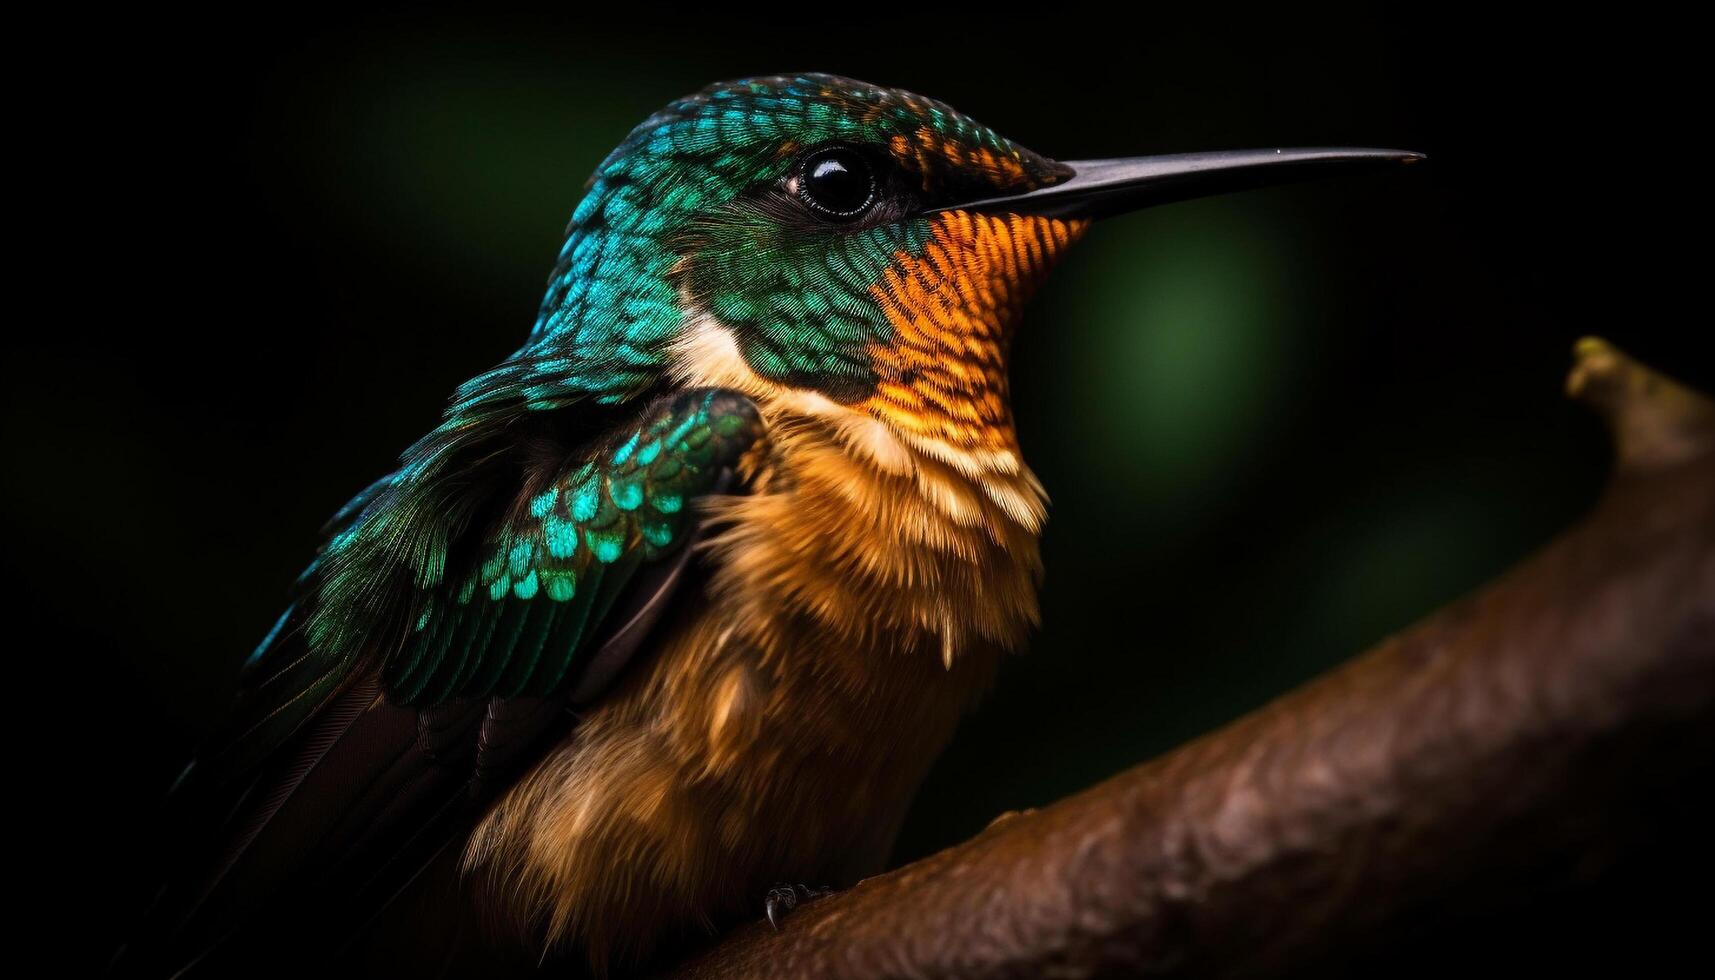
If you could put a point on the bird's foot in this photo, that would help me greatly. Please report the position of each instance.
(782, 899)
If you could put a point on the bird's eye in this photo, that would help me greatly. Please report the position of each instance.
(837, 183)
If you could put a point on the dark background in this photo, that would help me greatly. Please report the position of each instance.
(1276, 426)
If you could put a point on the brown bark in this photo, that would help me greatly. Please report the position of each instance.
(1518, 726)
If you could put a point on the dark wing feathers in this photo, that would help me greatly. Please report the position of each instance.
(353, 771)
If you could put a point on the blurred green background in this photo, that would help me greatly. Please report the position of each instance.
(1276, 426)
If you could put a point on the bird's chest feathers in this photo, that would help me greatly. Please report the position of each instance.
(894, 560)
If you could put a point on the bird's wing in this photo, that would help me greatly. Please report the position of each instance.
(515, 624)
(378, 763)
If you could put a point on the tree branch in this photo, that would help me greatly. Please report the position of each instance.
(1505, 731)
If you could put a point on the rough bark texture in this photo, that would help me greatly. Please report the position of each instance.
(1515, 728)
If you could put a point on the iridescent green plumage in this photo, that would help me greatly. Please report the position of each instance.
(670, 215)
(513, 625)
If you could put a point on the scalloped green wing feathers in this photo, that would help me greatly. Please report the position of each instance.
(517, 623)
(331, 797)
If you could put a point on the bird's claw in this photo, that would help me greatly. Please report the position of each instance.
(782, 899)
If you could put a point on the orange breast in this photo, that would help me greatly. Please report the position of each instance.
(944, 373)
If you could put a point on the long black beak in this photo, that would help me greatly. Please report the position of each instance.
(1099, 188)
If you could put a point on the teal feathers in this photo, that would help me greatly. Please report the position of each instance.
(513, 624)
(674, 214)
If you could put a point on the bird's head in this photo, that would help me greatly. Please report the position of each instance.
(846, 252)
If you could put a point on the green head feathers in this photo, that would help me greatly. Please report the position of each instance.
(707, 203)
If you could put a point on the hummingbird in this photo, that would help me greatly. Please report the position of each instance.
(669, 615)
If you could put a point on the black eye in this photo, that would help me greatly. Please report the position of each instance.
(837, 183)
